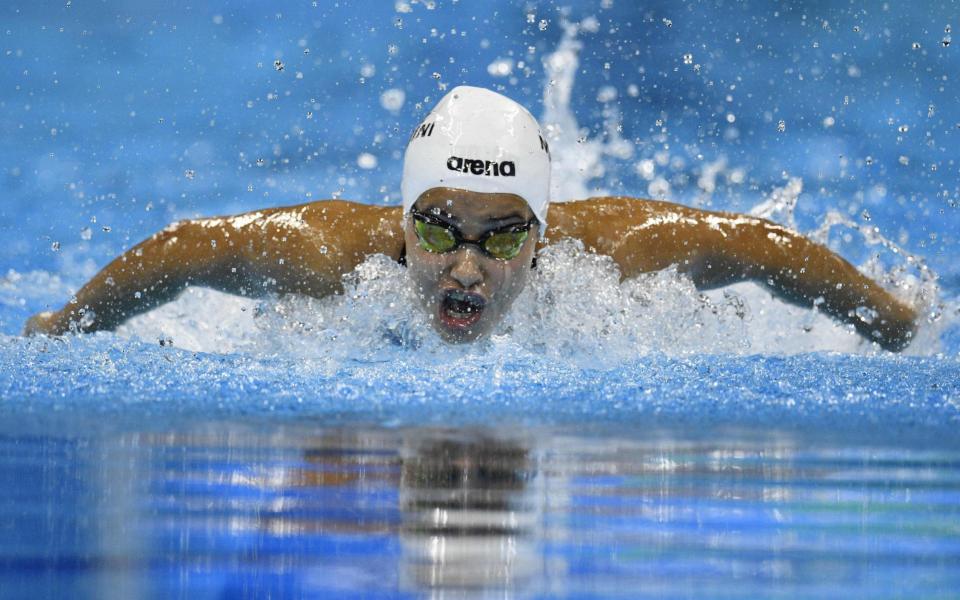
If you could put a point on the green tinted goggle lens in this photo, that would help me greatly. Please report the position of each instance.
(434, 238)
(503, 245)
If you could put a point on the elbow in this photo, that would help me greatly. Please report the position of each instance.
(893, 331)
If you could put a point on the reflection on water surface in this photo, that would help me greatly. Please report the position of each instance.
(225, 510)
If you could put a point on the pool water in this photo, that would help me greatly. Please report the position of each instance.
(612, 438)
(298, 508)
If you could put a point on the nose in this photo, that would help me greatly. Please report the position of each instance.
(466, 269)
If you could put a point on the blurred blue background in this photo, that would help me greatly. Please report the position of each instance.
(117, 117)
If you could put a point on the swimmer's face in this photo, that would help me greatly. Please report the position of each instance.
(465, 291)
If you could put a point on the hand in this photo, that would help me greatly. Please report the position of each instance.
(47, 323)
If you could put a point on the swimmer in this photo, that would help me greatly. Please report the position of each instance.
(475, 210)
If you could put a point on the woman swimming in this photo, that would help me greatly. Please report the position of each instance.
(476, 180)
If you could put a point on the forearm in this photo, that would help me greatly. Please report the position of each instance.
(149, 274)
(809, 274)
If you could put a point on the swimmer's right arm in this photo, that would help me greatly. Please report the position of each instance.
(299, 249)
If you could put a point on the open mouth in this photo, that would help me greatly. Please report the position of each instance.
(461, 309)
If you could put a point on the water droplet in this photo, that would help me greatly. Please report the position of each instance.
(278, 65)
(668, 22)
(865, 314)
(865, 215)
(367, 161)
(946, 41)
(189, 173)
(903, 160)
(55, 246)
(86, 233)
(393, 99)
(781, 126)
(915, 45)
(542, 26)
(903, 128)
(869, 160)
(501, 67)
(323, 250)
(106, 229)
(688, 59)
(261, 162)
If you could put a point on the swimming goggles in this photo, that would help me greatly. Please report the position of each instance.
(438, 236)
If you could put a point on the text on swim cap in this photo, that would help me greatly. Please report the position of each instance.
(476, 166)
(423, 130)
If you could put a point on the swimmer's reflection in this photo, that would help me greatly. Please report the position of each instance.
(466, 506)
(469, 511)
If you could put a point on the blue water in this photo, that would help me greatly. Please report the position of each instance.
(636, 440)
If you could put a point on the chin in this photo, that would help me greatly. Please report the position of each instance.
(457, 335)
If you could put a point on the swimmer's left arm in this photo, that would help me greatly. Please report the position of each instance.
(718, 249)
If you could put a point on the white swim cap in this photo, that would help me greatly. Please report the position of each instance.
(480, 141)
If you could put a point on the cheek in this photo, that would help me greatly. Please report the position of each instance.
(511, 280)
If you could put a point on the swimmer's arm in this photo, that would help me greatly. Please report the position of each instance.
(300, 249)
(718, 249)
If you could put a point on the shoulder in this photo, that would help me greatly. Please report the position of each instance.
(613, 205)
(567, 218)
(344, 215)
(332, 211)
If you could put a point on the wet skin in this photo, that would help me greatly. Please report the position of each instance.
(306, 249)
(494, 283)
